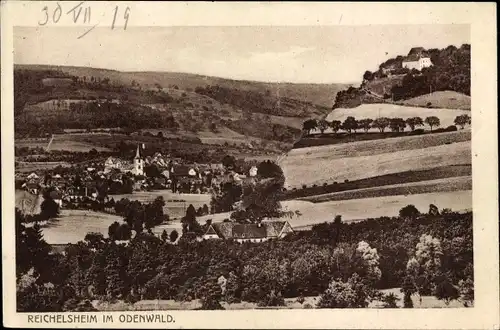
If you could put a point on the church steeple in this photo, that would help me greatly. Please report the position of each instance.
(137, 153)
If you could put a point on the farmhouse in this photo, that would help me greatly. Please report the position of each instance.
(258, 232)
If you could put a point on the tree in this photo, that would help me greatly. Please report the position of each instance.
(381, 123)
(350, 124)
(309, 125)
(390, 300)
(365, 124)
(466, 290)
(433, 210)
(414, 122)
(211, 295)
(444, 290)
(164, 235)
(432, 121)
(409, 212)
(323, 125)
(269, 169)
(462, 120)
(228, 161)
(49, 209)
(397, 124)
(335, 125)
(368, 75)
(350, 294)
(174, 235)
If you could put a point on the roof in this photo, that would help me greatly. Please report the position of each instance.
(268, 229)
(182, 170)
(211, 231)
(411, 58)
(416, 50)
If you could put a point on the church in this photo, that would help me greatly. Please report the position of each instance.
(135, 167)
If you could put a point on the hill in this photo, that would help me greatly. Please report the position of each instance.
(318, 94)
(450, 71)
(53, 99)
(441, 99)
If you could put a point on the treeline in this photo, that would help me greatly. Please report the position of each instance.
(351, 124)
(92, 115)
(425, 254)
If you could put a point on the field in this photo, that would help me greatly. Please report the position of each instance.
(422, 187)
(290, 303)
(442, 99)
(375, 110)
(60, 142)
(358, 209)
(73, 225)
(307, 167)
(38, 166)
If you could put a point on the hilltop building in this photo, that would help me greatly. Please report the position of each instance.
(417, 59)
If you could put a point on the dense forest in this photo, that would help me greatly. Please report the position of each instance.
(450, 71)
(345, 264)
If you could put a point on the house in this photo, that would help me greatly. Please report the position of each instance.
(417, 59)
(249, 232)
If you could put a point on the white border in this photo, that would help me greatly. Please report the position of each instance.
(482, 18)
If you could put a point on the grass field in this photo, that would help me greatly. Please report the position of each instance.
(38, 166)
(422, 187)
(375, 110)
(442, 99)
(442, 172)
(73, 225)
(357, 209)
(68, 142)
(290, 303)
(373, 147)
(318, 167)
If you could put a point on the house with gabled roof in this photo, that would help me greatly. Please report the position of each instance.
(248, 232)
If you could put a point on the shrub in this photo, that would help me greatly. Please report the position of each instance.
(429, 104)
(451, 128)
(418, 131)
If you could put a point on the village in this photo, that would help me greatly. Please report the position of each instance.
(97, 186)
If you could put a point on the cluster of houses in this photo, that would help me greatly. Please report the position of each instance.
(84, 184)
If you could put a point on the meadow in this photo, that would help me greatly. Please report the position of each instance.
(441, 99)
(308, 167)
(411, 188)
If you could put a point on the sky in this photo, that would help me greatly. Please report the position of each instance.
(326, 54)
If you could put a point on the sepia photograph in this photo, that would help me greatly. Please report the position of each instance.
(191, 168)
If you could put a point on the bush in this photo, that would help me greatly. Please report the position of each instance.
(451, 128)
(418, 131)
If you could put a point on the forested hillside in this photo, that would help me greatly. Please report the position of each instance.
(450, 71)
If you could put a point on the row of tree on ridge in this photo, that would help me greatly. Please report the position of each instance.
(397, 124)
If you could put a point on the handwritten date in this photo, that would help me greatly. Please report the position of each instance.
(80, 14)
